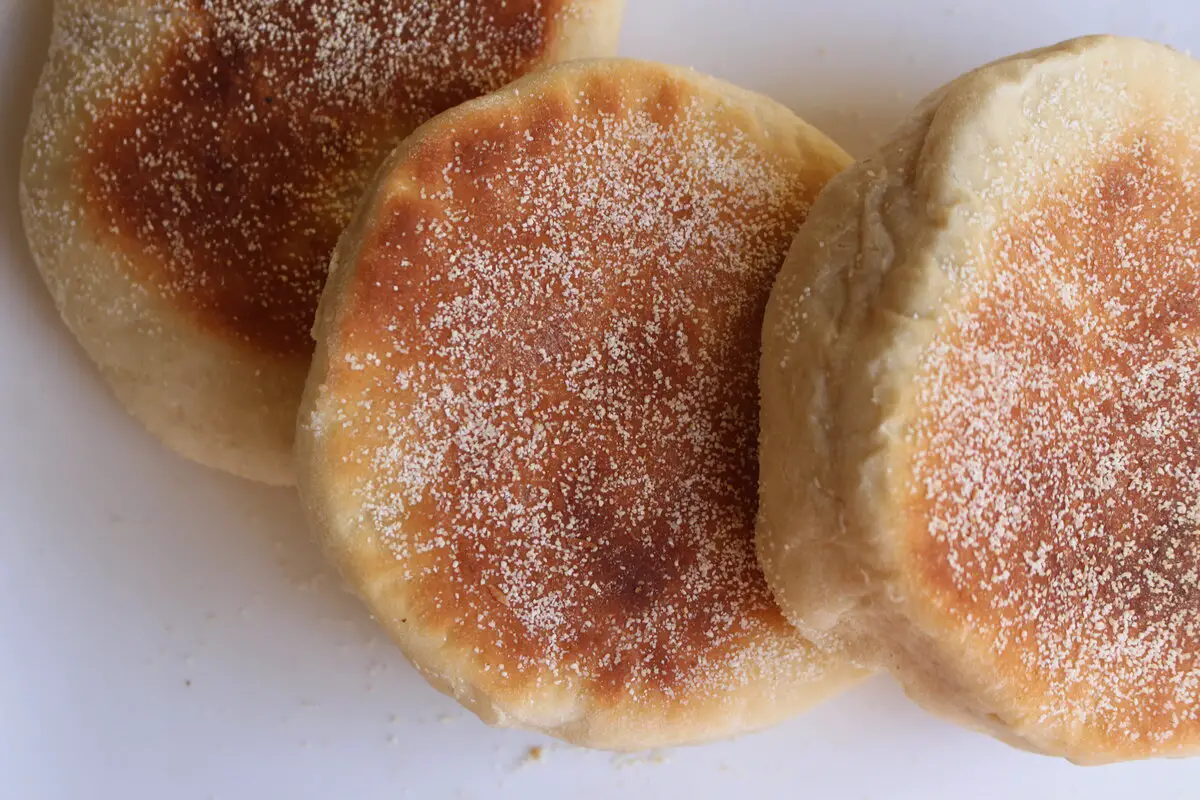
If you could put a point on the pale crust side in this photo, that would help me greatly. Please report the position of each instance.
(564, 708)
(210, 398)
(893, 248)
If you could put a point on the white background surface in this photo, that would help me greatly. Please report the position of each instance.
(167, 632)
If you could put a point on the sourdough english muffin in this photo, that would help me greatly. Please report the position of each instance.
(981, 404)
(191, 163)
(528, 439)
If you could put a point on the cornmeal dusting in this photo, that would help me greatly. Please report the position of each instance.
(1058, 465)
(545, 389)
(226, 162)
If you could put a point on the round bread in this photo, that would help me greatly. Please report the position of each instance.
(528, 439)
(987, 334)
(190, 164)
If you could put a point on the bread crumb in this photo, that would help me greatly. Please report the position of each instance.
(631, 760)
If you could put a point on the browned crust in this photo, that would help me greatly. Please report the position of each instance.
(1055, 485)
(633, 584)
(228, 175)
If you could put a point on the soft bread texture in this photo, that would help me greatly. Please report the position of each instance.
(190, 164)
(528, 439)
(980, 376)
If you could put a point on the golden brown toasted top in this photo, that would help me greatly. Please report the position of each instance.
(543, 390)
(230, 171)
(1056, 497)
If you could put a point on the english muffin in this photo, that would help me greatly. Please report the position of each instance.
(529, 436)
(190, 165)
(981, 399)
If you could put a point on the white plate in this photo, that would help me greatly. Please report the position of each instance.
(167, 632)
